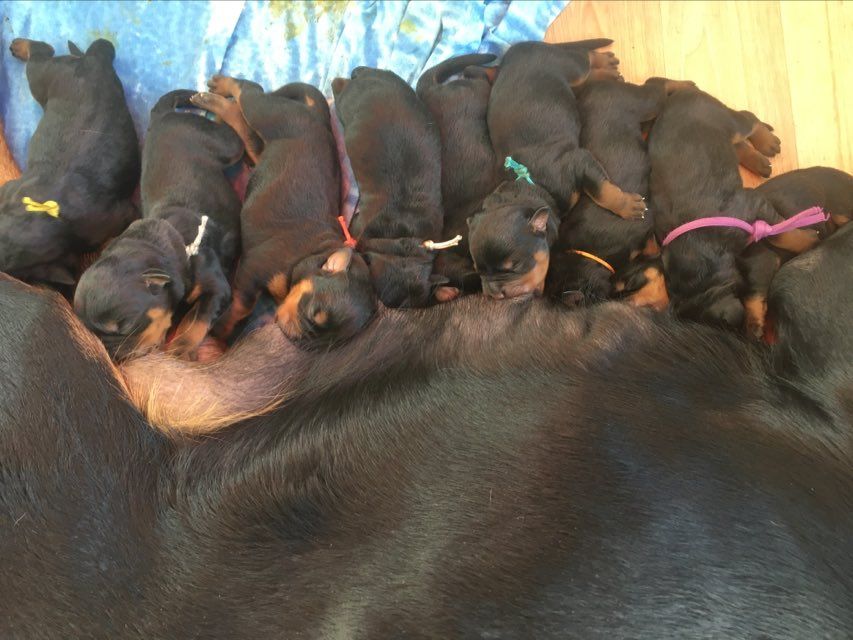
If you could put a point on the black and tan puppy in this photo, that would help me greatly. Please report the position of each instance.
(82, 168)
(469, 167)
(534, 125)
(181, 251)
(594, 247)
(293, 246)
(396, 157)
(824, 187)
(694, 174)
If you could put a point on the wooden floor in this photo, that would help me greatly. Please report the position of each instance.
(784, 61)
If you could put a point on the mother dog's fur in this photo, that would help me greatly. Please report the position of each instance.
(478, 469)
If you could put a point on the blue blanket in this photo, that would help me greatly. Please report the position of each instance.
(167, 45)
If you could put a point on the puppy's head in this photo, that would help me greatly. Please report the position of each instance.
(401, 271)
(128, 295)
(575, 280)
(330, 300)
(704, 283)
(31, 244)
(510, 244)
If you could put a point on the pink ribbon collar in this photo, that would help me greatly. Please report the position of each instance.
(757, 230)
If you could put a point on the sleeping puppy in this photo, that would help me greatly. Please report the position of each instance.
(82, 169)
(396, 158)
(534, 125)
(533, 117)
(469, 168)
(797, 190)
(181, 251)
(694, 174)
(594, 247)
(293, 245)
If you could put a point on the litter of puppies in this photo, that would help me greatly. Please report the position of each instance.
(536, 168)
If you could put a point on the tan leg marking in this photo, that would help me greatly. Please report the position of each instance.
(756, 312)
(629, 206)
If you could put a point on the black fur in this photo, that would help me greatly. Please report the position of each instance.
(395, 152)
(613, 114)
(293, 245)
(183, 178)
(469, 167)
(84, 155)
(523, 473)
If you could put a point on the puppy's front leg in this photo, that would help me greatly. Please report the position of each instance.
(231, 114)
(211, 295)
(591, 176)
(758, 264)
(752, 159)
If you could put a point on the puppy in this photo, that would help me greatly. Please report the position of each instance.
(396, 158)
(293, 245)
(469, 167)
(534, 125)
(594, 247)
(184, 247)
(533, 117)
(797, 190)
(82, 169)
(694, 174)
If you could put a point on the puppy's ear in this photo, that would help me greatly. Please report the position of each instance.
(155, 280)
(539, 221)
(339, 261)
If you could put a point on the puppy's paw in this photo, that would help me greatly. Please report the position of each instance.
(20, 48)
(765, 141)
(603, 60)
(633, 207)
(758, 163)
(221, 85)
(188, 338)
(756, 312)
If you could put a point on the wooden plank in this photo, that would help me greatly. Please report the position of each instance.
(635, 26)
(840, 18)
(812, 80)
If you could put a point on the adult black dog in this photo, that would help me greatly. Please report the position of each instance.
(82, 168)
(524, 472)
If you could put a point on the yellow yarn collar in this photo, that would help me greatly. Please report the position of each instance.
(50, 207)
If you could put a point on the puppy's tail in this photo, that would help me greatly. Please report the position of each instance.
(170, 101)
(74, 50)
(595, 43)
(443, 70)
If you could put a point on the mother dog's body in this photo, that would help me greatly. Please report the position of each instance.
(472, 470)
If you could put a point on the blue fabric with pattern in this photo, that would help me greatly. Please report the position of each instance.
(161, 46)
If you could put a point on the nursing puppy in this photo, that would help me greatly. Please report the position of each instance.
(293, 246)
(694, 174)
(82, 167)
(396, 158)
(594, 247)
(181, 251)
(533, 119)
(469, 167)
